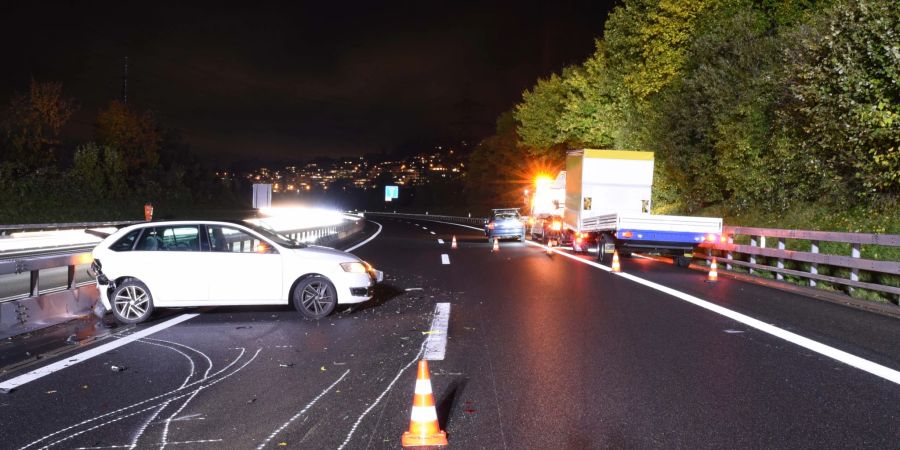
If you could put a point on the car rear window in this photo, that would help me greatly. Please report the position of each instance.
(179, 238)
(507, 216)
(125, 243)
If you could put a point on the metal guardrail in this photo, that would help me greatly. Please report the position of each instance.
(6, 229)
(757, 254)
(479, 221)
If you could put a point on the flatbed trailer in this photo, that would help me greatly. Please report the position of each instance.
(608, 209)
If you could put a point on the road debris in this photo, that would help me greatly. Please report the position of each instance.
(118, 368)
(286, 365)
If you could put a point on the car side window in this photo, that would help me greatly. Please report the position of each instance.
(178, 238)
(233, 240)
(125, 243)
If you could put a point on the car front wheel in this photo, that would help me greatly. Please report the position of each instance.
(131, 301)
(314, 297)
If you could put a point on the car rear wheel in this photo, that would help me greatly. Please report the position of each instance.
(314, 297)
(131, 301)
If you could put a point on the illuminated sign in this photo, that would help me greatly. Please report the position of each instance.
(391, 192)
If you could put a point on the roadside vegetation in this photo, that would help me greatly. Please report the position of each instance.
(773, 113)
(131, 160)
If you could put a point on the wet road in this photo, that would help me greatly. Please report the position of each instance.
(543, 351)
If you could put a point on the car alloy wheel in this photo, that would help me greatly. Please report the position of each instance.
(315, 298)
(132, 302)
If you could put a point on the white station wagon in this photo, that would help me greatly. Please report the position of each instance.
(206, 263)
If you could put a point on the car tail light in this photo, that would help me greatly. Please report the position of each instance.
(491, 225)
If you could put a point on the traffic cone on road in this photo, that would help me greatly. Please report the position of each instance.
(453, 244)
(424, 429)
(550, 247)
(713, 272)
(615, 263)
(496, 247)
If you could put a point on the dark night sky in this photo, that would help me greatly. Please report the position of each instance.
(298, 80)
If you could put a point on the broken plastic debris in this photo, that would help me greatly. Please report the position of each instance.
(432, 332)
(414, 289)
(243, 327)
(71, 339)
(323, 369)
(51, 392)
(286, 365)
(282, 444)
(118, 368)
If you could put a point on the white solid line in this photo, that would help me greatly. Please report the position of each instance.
(436, 344)
(20, 380)
(377, 400)
(445, 259)
(367, 240)
(440, 241)
(839, 355)
(305, 408)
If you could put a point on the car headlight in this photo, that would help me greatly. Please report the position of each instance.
(355, 267)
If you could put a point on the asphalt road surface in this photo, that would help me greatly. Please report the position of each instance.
(543, 351)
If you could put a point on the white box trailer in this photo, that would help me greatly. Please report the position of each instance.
(608, 207)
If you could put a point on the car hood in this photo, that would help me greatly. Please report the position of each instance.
(328, 252)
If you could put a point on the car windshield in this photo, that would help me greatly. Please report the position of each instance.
(270, 233)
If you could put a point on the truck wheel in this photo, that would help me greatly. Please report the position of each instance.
(602, 256)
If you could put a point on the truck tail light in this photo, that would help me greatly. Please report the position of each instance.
(711, 238)
(556, 226)
(627, 234)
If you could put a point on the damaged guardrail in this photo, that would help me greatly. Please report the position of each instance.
(42, 288)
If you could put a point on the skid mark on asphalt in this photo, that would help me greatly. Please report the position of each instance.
(302, 411)
(439, 310)
(153, 406)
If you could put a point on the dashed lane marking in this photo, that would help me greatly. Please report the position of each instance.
(445, 259)
(440, 241)
(432, 232)
(809, 344)
(436, 344)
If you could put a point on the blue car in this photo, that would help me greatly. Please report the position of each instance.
(505, 223)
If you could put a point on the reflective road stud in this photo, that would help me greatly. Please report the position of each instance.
(424, 429)
(615, 263)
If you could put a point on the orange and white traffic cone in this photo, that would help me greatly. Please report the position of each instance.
(615, 263)
(496, 247)
(424, 429)
(453, 243)
(550, 246)
(713, 272)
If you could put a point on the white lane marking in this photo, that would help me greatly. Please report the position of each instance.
(436, 344)
(239, 356)
(367, 240)
(457, 224)
(424, 227)
(35, 374)
(432, 232)
(302, 411)
(809, 344)
(445, 259)
(440, 241)
(145, 409)
(377, 400)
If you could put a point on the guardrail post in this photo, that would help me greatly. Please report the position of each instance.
(70, 280)
(780, 263)
(728, 255)
(813, 267)
(752, 256)
(33, 288)
(854, 273)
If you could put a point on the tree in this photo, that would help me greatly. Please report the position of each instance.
(539, 111)
(137, 137)
(592, 112)
(33, 123)
(842, 101)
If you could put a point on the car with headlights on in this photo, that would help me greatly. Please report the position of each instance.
(210, 263)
